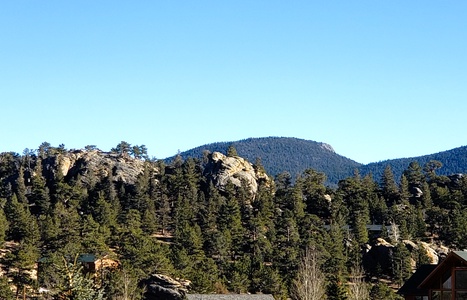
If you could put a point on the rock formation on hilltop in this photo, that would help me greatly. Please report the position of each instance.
(123, 168)
(223, 169)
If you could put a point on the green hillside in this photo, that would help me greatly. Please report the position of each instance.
(282, 154)
(293, 155)
(454, 161)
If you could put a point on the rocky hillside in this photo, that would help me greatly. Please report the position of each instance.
(71, 164)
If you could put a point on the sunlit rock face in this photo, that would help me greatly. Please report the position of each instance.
(95, 163)
(223, 169)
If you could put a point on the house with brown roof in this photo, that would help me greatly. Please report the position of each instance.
(445, 281)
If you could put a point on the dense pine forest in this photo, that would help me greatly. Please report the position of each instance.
(218, 222)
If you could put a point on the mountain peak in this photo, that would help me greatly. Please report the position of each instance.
(327, 147)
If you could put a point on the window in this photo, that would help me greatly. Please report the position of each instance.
(435, 295)
(461, 295)
(447, 280)
(446, 295)
(461, 279)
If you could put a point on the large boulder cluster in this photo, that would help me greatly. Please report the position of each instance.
(222, 169)
(123, 168)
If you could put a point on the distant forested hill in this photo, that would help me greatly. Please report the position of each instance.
(454, 161)
(279, 154)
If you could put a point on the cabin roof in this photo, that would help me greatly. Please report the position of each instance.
(454, 258)
(411, 285)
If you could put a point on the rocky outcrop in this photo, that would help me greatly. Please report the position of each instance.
(379, 256)
(431, 253)
(378, 259)
(123, 168)
(327, 147)
(223, 169)
(162, 287)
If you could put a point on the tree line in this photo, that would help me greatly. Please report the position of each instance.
(174, 221)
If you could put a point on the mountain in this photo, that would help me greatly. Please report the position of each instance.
(279, 154)
(454, 161)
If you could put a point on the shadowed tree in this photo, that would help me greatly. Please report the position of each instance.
(389, 188)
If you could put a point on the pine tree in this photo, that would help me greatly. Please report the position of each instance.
(356, 195)
(401, 263)
(231, 151)
(5, 290)
(389, 187)
(3, 224)
(74, 285)
(404, 190)
(39, 191)
(314, 191)
(23, 226)
(21, 187)
(24, 259)
(426, 198)
(335, 289)
(93, 236)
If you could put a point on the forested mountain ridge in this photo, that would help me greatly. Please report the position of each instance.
(453, 161)
(279, 154)
(221, 222)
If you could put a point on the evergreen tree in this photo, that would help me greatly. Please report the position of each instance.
(24, 259)
(381, 291)
(404, 190)
(39, 192)
(356, 195)
(23, 226)
(67, 222)
(389, 189)
(3, 224)
(238, 275)
(123, 148)
(401, 263)
(335, 289)
(231, 151)
(334, 244)
(427, 201)
(5, 290)
(74, 285)
(21, 187)
(415, 179)
(431, 167)
(94, 236)
(314, 192)
(106, 213)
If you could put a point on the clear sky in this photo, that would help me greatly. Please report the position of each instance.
(374, 79)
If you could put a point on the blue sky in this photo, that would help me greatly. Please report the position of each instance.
(374, 79)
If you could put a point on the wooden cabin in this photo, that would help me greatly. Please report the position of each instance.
(445, 281)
